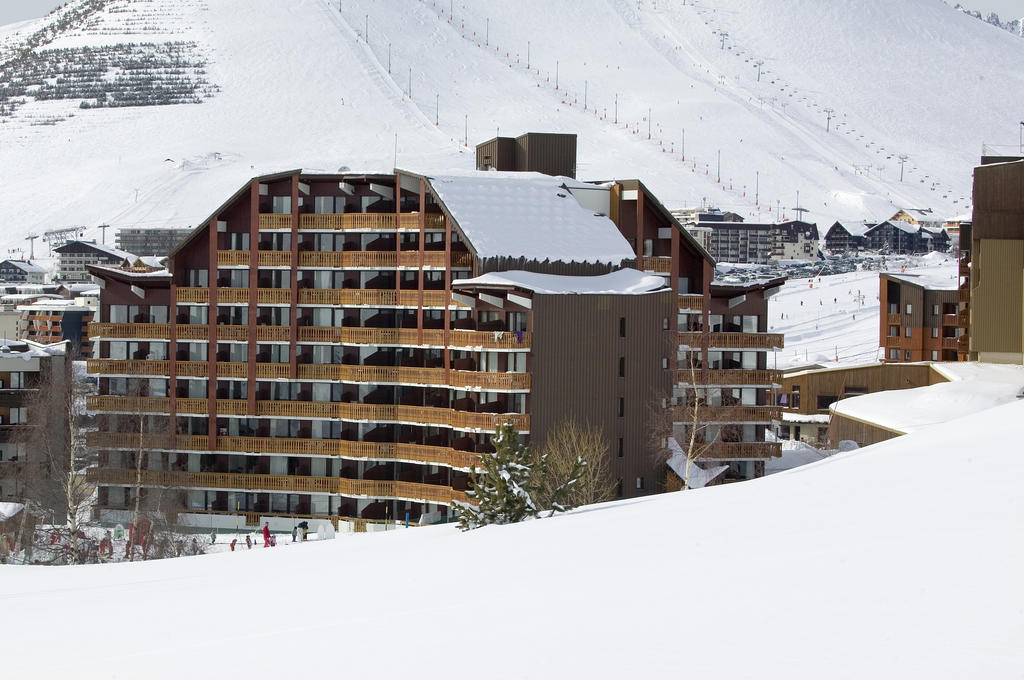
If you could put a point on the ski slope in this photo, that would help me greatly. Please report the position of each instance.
(644, 84)
(833, 320)
(867, 564)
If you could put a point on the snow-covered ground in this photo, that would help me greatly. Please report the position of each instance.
(741, 89)
(833, 320)
(870, 564)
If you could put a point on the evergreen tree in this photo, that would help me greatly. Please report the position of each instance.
(511, 480)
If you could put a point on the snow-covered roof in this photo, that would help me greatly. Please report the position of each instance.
(9, 510)
(26, 266)
(908, 227)
(529, 215)
(83, 288)
(102, 247)
(699, 477)
(973, 387)
(858, 228)
(623, 282)
(817, 418)
(932, 280)
(157, 273)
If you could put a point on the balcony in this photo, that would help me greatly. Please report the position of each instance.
(364, 222)
(387, 413)
(743, 451)
(275, 221)
(357, 488)
(749, 341)
(963, 344)
(950, 343)
(964, 294)
(735, 377)
(691, 303)
(356, 297)
(728, 414)
(382, 451)
(892, 319)
(893, 341)
(507, 340)
(963, 318)
(965, 268)
(949, 320)
(658, 265)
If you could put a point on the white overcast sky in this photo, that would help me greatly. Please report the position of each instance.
(20, 10)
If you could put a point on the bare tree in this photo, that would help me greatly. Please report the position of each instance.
(568, 442)
(684, 421)
(57, 456)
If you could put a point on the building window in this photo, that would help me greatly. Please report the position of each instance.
(894, 354)
(935, 310)
(618, 489)
(906, 331)
(622, 326)
(664, 323)
(909, 308)
(621, 450)
(894, 331)
(795, 396)
(622, 367)
(906, 355)
(622, 407)
(664, 362)
(640, 483)
(935, 355)
(824, 400)
(935, 332)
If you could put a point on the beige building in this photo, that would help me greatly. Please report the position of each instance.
(992, 263)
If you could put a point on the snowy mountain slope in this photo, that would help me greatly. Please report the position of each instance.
(299, 86)
(867, 564)
(833, 320)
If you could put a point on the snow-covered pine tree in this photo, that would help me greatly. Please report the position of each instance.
(503, 490)
(510, 483)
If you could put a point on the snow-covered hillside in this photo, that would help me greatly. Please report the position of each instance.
(833, 320)
(900, 560)
(295, 84)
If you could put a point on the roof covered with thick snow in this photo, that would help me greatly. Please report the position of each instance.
(623, 282)
(932, 280)
(973, 387)
(529, 215)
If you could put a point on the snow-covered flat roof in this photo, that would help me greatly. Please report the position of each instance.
(973, 387)
(622, 282)
(529, 215)
(932, 280)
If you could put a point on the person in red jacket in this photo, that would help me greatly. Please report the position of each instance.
(266, 534)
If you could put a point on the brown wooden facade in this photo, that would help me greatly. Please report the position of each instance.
(307, 331)
(917, 323)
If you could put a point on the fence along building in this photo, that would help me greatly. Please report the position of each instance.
(337, 345)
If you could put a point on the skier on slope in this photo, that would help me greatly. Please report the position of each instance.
(266, 534)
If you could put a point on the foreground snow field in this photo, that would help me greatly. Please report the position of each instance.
(900, 560)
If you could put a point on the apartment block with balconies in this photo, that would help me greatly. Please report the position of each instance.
(919, 319)
(331, 347)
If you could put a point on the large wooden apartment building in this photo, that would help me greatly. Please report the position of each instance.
(919, 321)
(342, 346)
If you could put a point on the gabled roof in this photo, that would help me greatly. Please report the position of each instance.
(856, 229)
(101, 248)
(528, 215)
(25, 266)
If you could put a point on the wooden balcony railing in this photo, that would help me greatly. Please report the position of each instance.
(753, 341)
(385, 451)
(365, 222)
(275, 221)
(232, 258)
(950, 343)
(397, 413)
(659, 265)
(323, 334)
(129, 330)
(341, 372)
(729, 376)
(729, 414)
(359, 488)
(892, 319)
(964, 294)
(963, 318)
(963, 343)
(893, 341)
(742, 451)
(949, 320)
(964, 268)
(692, 303)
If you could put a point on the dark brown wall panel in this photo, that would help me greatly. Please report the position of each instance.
(575, 367)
